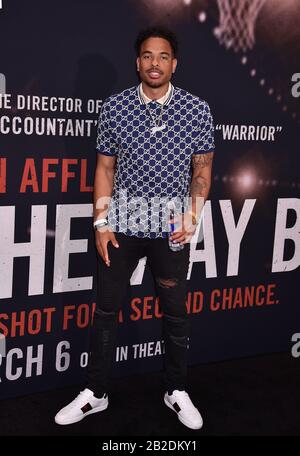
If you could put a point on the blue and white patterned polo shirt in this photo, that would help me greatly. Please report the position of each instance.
(152, 167)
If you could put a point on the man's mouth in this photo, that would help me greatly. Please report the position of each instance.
(154, 74)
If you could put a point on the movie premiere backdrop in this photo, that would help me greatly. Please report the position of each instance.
(59, 61)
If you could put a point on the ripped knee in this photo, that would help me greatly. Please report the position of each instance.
(167, 283)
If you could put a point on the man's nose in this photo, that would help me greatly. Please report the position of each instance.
(155, 61)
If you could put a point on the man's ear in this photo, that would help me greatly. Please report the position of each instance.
(174, 65)
(138, 64)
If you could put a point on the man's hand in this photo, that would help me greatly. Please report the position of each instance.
(103, 236)
(185, 227)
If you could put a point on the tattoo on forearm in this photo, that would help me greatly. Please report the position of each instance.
(202, 160)
(198, 186)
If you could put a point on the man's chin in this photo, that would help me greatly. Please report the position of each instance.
(154, 84)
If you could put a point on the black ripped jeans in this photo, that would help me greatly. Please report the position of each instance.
(169, 270)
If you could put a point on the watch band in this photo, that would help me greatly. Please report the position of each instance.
(100, 222)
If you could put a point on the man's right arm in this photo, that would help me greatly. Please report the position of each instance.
(103, 184)
(103, 188)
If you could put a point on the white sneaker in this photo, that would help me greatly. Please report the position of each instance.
(84, 404)
(187, 413)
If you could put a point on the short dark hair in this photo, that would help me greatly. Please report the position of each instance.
(156, 32)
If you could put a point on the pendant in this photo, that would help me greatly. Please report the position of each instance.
(155, 129)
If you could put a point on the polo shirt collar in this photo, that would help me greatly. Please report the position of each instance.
(163, 100)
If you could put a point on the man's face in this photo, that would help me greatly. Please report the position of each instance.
(156, 62)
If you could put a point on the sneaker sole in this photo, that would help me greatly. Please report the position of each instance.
(180, 418)
(81, 417)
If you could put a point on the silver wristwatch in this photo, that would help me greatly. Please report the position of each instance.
(99, 223)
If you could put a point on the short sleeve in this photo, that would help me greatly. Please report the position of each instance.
(105, 143)
(206, 141)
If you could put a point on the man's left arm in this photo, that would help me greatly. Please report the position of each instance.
(199, 191)
(201, 176)
(201, 182)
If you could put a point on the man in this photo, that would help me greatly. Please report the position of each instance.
(155, 144)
